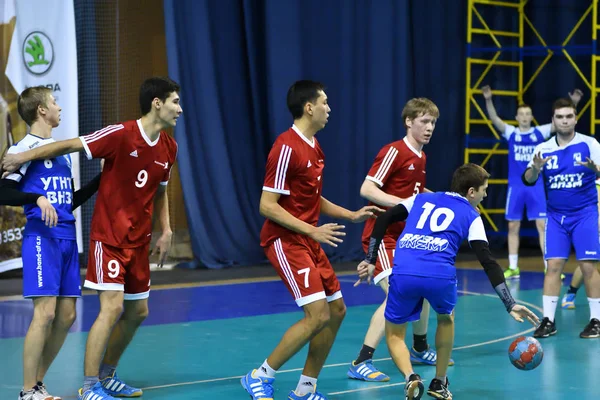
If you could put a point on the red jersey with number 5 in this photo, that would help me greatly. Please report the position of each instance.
(399, 170)
(134, 167)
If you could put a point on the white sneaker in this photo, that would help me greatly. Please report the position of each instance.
(42, 389)
(34, 394)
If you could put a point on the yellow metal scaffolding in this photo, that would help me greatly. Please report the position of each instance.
(511, 45)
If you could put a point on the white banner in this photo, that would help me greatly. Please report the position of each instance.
(43, 51)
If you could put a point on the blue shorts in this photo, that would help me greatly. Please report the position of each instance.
(531, 198)
(406, 294)
(50, 267)
(579, 230)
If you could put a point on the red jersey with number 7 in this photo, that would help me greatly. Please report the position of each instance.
(134, 167)
(399, 170)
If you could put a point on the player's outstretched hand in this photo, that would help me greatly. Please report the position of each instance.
(539, 161)
(328, 233)
(11, 162)
(487, 92)
(520, 313)
(365, 272)
(162, 247)
(49, 215)
(365, 213)
(589, 164)
(576, 95)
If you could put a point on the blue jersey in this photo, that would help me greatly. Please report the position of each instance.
(52, 179)
(437, 224)
(521, 146)
(569, 187)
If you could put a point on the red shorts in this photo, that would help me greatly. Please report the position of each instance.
(304, 268)
(113, 268)
(385, 258)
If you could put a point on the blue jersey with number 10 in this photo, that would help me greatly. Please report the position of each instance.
(436, 226)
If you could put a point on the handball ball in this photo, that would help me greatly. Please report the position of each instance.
(525, 353)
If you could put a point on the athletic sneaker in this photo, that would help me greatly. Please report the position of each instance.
(512, 273)
(314, 395)
(42, 388)
(547, 328)
(365, 371)
(568, 301)
(428, 357)
(592, 330)
(439, 389)
(259, 388)
(414, 388)
(117, 388)
(96, 392)
(34, 394)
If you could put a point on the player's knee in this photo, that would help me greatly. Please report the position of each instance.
(141, 313)
(337, 310)
(514, 227)
(317, 315)
(44, 316)
(446, 319)
(67, 317)
(588, 269)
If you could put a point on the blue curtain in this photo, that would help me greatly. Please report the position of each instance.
(235, 60)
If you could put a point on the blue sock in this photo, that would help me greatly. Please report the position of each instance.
(106, 370)
(88, 382)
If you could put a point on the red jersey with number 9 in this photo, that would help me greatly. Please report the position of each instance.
(399, 170)
(134, 167)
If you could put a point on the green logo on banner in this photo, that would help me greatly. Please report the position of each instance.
(38, 53)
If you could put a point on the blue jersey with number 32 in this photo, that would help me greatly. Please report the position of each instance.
(436, 226)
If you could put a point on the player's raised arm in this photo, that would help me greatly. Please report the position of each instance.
(11, 162)
(491, 110)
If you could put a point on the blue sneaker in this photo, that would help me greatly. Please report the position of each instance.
(428, 357)
(96, 392)
(308, 396)
(259, 388)
(568, 301)
(117, 388)
(365, 371)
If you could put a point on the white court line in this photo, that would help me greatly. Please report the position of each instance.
(470, 346)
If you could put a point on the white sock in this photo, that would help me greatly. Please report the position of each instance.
(441, 379)
(265, 371)
(513, 261)
(594, 308)
(306, 385)
(550, 303)
(545, 266)
(408, 376)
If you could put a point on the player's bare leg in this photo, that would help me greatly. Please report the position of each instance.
(135, 312)
(513, 249)
(35, 340)
(316, 317)
(420, 326)
(395, 335)
(377, 325)
(591, 280)
(551, 291)
(540, 225)
(111, 307)
(444, 340)
(63, 320)
(320, 345)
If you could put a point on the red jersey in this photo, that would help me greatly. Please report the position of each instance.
(294, 170)
(134, 166)
(399, 170)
